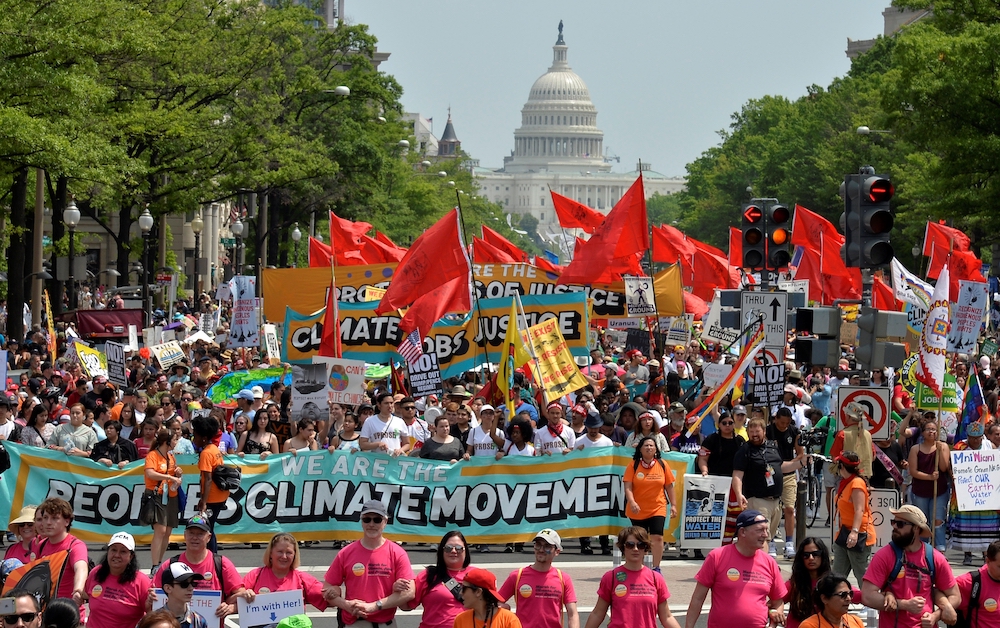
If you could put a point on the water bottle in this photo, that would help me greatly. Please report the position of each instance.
(67, 444)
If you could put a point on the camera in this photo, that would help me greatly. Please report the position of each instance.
(815, 437)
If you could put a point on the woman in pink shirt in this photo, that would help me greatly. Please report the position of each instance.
(24, 528)
(439, 587)
(116, 588)
(281, 573)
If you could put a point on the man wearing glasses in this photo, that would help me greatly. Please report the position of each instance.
(906, 599)
(417, 427)
(371, 577)
(541, 590)
(26, 611)
(741, 571)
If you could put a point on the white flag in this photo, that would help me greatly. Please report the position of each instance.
(934, 337)
(909, 288)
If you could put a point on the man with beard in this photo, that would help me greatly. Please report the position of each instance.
(758, 473)
(903, 595)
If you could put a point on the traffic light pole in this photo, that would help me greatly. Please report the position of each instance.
(765, 280)
(867, 285)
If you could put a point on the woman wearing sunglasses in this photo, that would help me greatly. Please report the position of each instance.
(439, 587)
(812, 562)
(833, 599)
(636, 595)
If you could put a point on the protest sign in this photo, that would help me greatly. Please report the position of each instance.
(116, 363)
(133, 338)
(309, 385)
(345, 379)
(206, 323)
(94, 362)
(639, 296)
(990, 348)
(715, 374)
(637, 339)
(553, 363)
(271, 346)
(425, 376)
(203, 601)
(712, 329)
(767, 384)
(167, 354)
(977, 478)
(705, 500)
(229, 384)
(967, 316)
(267, 609)
(677, 329)
(374, 294)
(243, 327)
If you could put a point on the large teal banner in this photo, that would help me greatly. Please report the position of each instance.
(318, 495)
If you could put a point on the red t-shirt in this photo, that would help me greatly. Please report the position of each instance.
(539, 595)
(913, 580)
(986, 613)
(368, 575)
(114, 604)
(41, 547)
(440, 606)
(634, 596)
(753, 580)
(211, 581)
(263, 580)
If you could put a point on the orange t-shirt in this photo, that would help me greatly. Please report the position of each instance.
(209, 459)
(846, 508)
(502, 618)
(648, 486)
(158, 463)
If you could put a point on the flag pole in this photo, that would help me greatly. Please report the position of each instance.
(475, 292)
(530, 346)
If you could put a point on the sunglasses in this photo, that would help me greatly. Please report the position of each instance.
(454, 548)
(844, 595)
(727, 423)
(24, 617)
(814, 554)
(372, 519)
(187, 584)
(409, 407)
(896, 523)
(636, 545)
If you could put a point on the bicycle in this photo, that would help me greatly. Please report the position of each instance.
(814, 487)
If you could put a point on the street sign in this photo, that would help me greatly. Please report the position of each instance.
(874, 400)
(773, 306)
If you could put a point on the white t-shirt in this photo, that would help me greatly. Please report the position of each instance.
(390, 432)
(602, 441)
(418, 430)
(482, 443)
(546, 441)
(8, 428)
(511, 450)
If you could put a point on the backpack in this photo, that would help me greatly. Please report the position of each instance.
(217, 559)
(965, 617)
(898, 566)
(4, 458)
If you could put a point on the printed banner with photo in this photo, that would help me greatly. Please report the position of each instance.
(704, 512)
(967, 316)
(345, 379)
(309, 391)
(244, 328)
(318, 495)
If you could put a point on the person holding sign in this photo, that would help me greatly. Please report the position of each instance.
(178, 584)
(973, 531)
(281, 573)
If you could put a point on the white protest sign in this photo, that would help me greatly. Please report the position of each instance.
(116, 363)
(271, 345)
(207, 324)
(346, 380)
(977, 478)
(713, 329)
(169, 335)
(677, 329)
(202, 602)
(222, 293)
(967, 316)
(133, 338)
(639, 299)
(268, 609)
(704, 520)
(243, 328)
(715, 374)
(167, 354)
(615, 337)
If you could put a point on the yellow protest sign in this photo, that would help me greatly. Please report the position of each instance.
(94, 362)
(554, 366)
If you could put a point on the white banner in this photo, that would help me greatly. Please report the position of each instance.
(977, 478)
(712, 329)
(167, 354)
(967, 316)
(243, 329)
(268, 609)
(345, 380)
(704, 514)
(271, 345)
(715, 374)
(639, 299)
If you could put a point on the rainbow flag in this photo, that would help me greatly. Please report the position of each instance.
(974, 409)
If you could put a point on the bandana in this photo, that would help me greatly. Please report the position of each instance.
(558, 429)
(647, 465)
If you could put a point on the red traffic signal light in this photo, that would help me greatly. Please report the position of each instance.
(752, 214)
(879, 189)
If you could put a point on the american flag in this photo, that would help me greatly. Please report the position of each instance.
(411, 348)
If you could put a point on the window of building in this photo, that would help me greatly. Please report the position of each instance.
(542, 201)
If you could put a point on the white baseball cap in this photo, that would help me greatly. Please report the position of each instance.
(123, 538)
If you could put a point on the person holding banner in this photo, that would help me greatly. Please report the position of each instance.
(385, 431)
(646, 428)
(972, 531)
(75, 438)
(163, 473)
(556, 435)
(649, 489)
(541, 590)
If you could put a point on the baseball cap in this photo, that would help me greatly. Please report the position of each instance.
(374, 507)
(258, 392)
(245, 394)
(295, 621)
(677, 406)
(748, 518)
(123, 538)
(179, 573)
(487, 407)
(550, 536)
(200, 522)
(739, 410)
(482, 579)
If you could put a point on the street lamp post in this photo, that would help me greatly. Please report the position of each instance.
(145, 226)
(237, 229)
(71, 218)
(197, 226)
(296, 236)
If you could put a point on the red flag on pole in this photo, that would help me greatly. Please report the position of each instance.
(576, 215)
(502, 243)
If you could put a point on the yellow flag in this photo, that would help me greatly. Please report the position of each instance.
(668, 291)
(513, 355)
(557, 371)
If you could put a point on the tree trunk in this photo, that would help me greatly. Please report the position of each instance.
(17, 255)
(124, 245)
(58, 231)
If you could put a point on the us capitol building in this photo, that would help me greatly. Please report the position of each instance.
(558, 145)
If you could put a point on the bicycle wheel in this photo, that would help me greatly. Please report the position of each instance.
(815, 494)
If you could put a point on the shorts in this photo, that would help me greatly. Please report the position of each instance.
(166, 514)
(788, 488)
(770, 507)
(830, 478)
(653, 525)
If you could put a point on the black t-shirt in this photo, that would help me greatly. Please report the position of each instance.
(753, 461)
(721, 453)
(784, 440)
(879, 474)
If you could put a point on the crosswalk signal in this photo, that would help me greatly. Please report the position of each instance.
(753, 236)
(817, 339)
(876, 220)
(874, 326)
(850, 252)
(779, 234)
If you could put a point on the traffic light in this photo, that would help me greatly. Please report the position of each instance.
(876, 220)
(823, 322)
(753, 237)
(850, 252)
(873, 351)
(779, 235)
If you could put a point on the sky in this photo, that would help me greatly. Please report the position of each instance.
(665, 76)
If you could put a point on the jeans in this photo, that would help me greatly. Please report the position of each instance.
(845, 561)
(940, 513)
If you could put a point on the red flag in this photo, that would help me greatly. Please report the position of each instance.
(319, 254)
(504, 244)
(437, 257)
(825, 288)
(693, 304)
(709, 271)
(808, 228)
(387, 249)
(616, 245)
(451, 296)
(736, 247)
(543, 264)
(398, 384)
(883, 296)
(939, 241)
(329, 345)
(670, 244)
(574, 215)
(345, 235)
(485, 253)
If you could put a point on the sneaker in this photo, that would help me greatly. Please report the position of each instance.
(773, 553)
(606, 551)
(789, 550)
(968, 559)
(483, 548)
(587, 551)
(684, 554)
(509, 549)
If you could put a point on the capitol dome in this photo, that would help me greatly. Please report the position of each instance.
(558, 131)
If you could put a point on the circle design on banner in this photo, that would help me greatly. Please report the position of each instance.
(621, 590)
(733, 574)
(876, 408)
(358, 569)
(338, 378)
(990, 605)
(525, 590)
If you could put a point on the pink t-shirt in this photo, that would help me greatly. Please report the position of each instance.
(17, 551)
(633, 595)
(440, 606)
(540, 595)
(368, 575)
(263, 580)
(753, 580)
(211, 582)
(41, 547)
(913, 580)
(986, 613)
(114, 604)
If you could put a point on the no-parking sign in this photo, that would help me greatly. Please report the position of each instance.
(874, 401)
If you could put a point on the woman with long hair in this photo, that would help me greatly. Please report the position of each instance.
(147, 436)
(636, 595)
(926, 475)
(304, 439)
(127, 418)
(855, 531)
(280, 572)
(116, 588)
(811, 562)
(649, 489)
(258, 439)
(645, 427)
(833, 597)
(163, 473)
(439, 587)
(37, 430)
(482, 603)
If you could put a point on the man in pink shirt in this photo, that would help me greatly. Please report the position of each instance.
(541, 591)
(984, 611)
(741, 571)
(372, 576)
